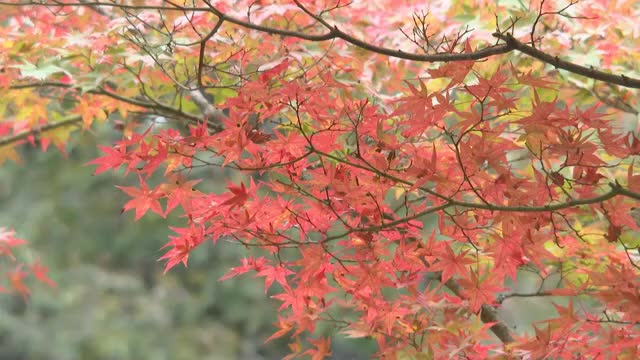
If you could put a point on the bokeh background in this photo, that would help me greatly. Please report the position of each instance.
(112, 300)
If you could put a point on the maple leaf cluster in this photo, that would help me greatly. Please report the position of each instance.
(394, 194)
(15, 272)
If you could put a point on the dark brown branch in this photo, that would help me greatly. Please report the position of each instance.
(589, 72)
(44, 128)
(616, 189)
(118, 5)
(203, 46)
(511, 44)
(488, 314)
(502, 298)
(627, 192)
(335, 33)
(160, 108)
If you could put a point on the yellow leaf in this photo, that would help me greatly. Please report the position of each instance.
(436, 85)
(9, 152)
(534, 141)
(397, 192)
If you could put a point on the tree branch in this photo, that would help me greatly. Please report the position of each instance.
(589, 72)
(511, 44)
(488, 314)
(208, 110)
(333, 33)
(48, 127)
(616, 189)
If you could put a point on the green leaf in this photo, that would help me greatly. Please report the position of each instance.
(222, 95)
(40, 72)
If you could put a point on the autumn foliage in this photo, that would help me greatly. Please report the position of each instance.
(403, 162)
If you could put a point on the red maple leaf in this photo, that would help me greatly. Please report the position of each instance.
(144, 199)
(540, 346)
(322, 348)
(178, 192)
(451, 264)
(479, 292)
(113, 158)
(240, 194)
(9, 241)
(283, 326)
(187, 240)
(40, 272)
(248, 264)
(16, 279)
(277, 273)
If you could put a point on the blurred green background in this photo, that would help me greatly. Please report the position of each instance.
(112, 300)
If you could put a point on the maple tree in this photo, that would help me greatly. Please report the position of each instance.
(403, 162)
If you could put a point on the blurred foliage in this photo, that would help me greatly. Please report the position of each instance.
(112, 300)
